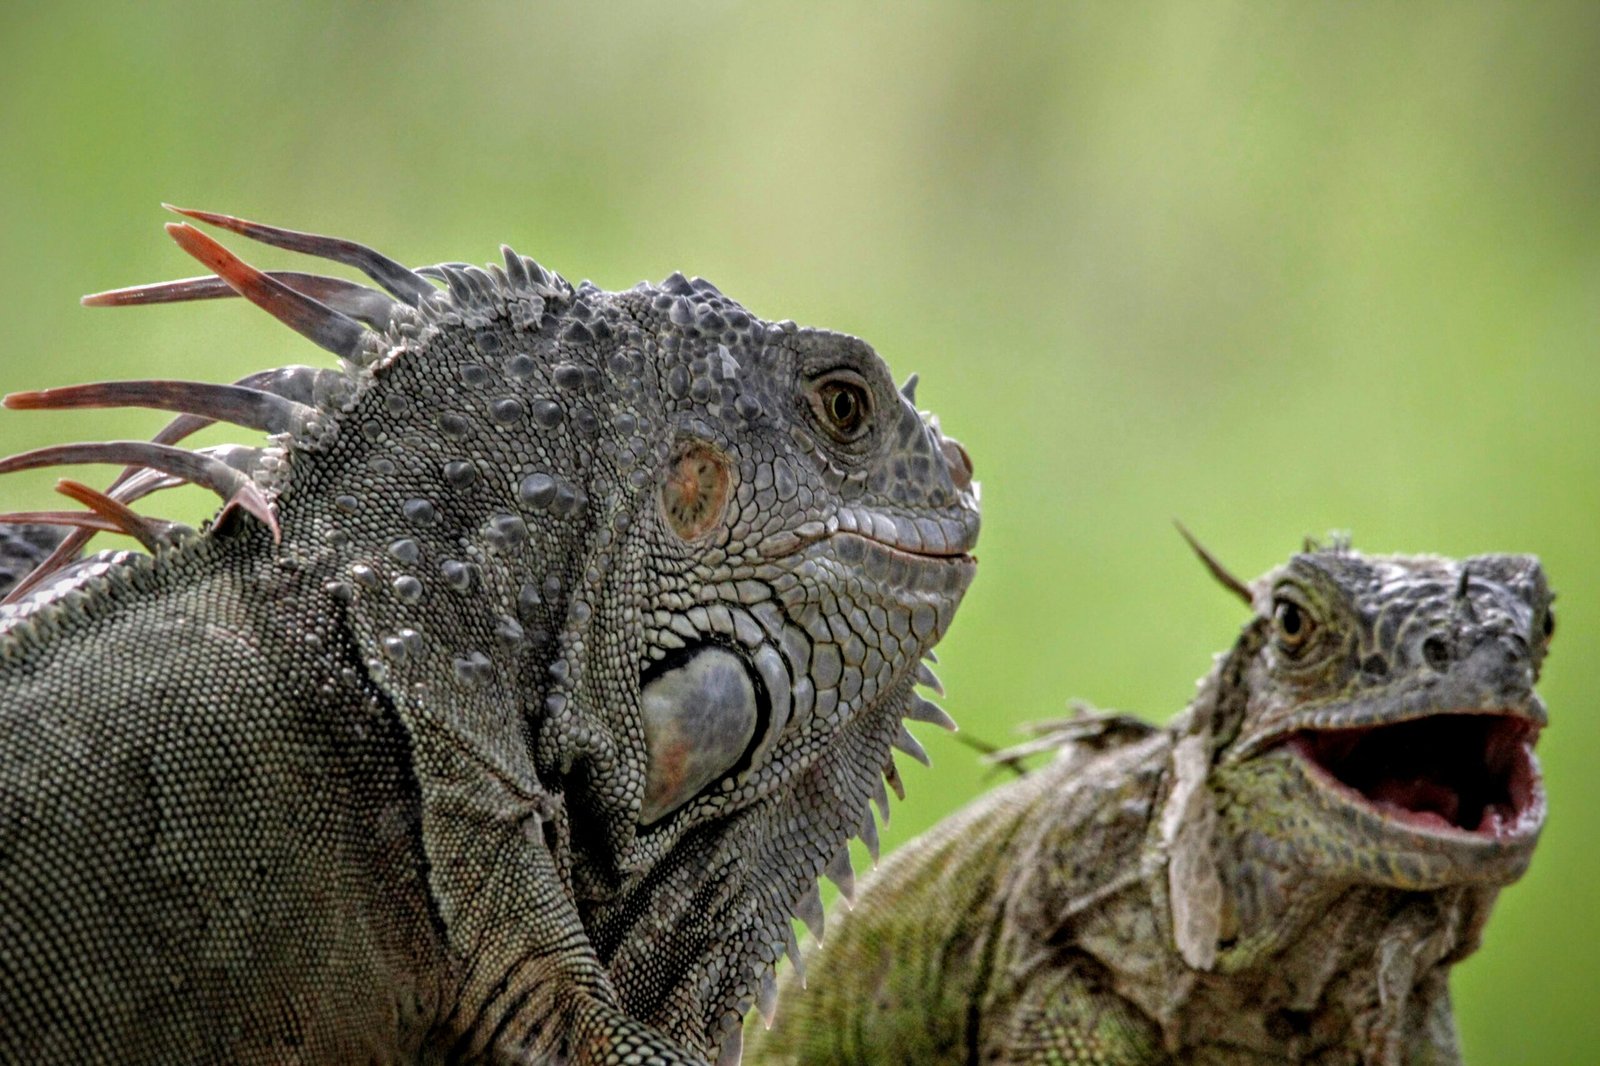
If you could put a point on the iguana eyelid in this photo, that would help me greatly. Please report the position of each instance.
(819, 390)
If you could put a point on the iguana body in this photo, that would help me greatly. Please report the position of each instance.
(519, 695)
(1285, 874)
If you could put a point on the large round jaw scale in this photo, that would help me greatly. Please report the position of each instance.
(699, 719)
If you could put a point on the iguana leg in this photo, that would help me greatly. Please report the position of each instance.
(531, 989)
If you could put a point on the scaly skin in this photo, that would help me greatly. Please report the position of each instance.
(1211, 892)
(522, 691)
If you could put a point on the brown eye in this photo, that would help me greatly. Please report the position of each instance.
(843, 406)
(1292, 623)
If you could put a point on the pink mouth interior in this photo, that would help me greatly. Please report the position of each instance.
(1462, 772)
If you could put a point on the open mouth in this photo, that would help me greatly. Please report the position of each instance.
(1453, 773)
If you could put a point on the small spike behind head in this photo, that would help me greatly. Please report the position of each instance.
(312, 319)
(455, 276)
(393, 276)
(1217, 570)
(516, 272)
(204, 470)
(241, 406)
(132, 484)
(842, 874)
(909, 390)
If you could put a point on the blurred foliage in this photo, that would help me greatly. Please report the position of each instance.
(1272, 269)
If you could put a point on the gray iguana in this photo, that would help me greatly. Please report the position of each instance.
(1284, 874)
(519, 694)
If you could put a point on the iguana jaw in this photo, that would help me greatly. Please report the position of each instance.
(1463, 779)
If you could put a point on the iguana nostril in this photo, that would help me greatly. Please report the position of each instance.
(1436, 652)
(957, 459)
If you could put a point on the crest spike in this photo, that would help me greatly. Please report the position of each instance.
(205, 470)
(376, 309)
(151, 533)
(395, 277)
(312, 319)
(237, 404)
(1217, 570)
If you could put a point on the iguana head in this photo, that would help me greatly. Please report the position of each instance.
(1374, 726)
(801, 542)
(666, 569)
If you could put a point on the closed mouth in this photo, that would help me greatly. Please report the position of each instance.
(931, 537)
(941, 539)
(1461, 775)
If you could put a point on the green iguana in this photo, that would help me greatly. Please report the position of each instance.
(1285, 874)
(520, 692)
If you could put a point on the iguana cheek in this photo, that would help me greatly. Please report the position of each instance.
(699, 719)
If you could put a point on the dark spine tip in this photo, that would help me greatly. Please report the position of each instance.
(1215, 568)
(199, 216)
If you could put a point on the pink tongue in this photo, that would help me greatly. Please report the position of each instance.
(1422, 800)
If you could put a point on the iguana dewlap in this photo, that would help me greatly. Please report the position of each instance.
(1285, 874)
(520, 693)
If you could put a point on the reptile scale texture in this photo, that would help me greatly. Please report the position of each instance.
(1285, 874)
(531, 674)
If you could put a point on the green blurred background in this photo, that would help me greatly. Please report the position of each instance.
(1272, 269)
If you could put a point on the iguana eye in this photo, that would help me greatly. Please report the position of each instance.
(1292, 624)
(842, 404)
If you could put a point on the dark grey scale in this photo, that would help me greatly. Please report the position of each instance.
(457, 574)
(460, 474)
